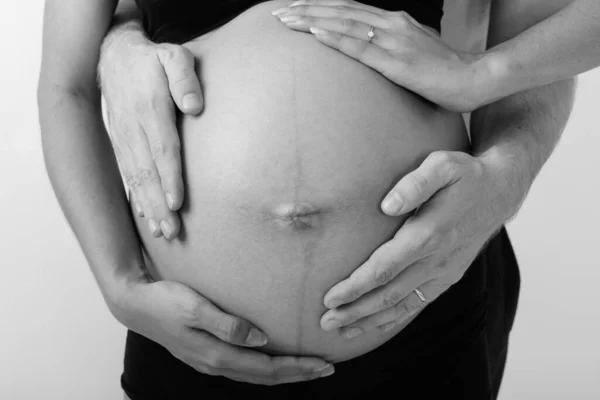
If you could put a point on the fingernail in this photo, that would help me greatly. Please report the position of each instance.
(327, 372)
(170, 200)
(289, 18)
(354, 332)
(152, 225)
(280, 11)
(318, 31)
(297, 3)
(323, 368)
(334, 303)
(256, 338)
(331, 324)
(191, 101)
(392, 204)
(166, 228)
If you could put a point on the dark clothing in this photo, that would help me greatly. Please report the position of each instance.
(456, 348)
(177, 21)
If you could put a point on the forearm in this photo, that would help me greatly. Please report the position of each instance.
(83, 171)
(517, 135)
(561, 46)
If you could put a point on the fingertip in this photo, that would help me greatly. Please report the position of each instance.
(256, 338)
(191, 104)
(393, 204)
(167, 230)
(334, 303)
(170, 201)
(170, 227)
(138, 209)
(174, 201)
(332, 300)
(154, 228)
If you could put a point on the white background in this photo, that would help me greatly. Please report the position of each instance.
(58, 340)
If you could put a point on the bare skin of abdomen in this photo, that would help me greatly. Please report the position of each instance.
(284, 172)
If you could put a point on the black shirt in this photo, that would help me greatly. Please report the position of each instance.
(178, 21)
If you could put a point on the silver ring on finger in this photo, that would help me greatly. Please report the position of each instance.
(421, 295)
(370, 34)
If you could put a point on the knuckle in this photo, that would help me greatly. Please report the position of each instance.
(431, 239)
(195, 311)
(352, 295)
(131, 181)
(340, 11)
(418, 183)
(142, 107)
(146, 176)
(382, 275)
(399, 19)
(405, 307)
(349, 317)
(390, 299)
(440, 157)
(478, 169)
(362, 48)
(213, 359)
(232, 328)
(349, 25)
(442, 264)
(174, 52)
(159, 150)
(164, 149)
(149, 107)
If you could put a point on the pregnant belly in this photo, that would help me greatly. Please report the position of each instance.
(284, 171)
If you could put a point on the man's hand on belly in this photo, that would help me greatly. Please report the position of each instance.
(140, 81)
(198, 333)
(462, 201)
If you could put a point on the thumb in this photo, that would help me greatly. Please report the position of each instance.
(227, 327)
(178, 63)
(419, 185)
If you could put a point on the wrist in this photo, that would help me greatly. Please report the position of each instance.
(510, 181)
(493, 74)
(124, 294)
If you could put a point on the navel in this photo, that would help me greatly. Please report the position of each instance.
(296, 216)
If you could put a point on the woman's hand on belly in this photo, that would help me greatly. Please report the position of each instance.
(404, 51)
(204, 337)
(462, 201)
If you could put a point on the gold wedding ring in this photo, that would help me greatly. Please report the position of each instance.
(421, 296)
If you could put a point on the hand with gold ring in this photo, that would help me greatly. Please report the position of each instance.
(396, 45)
(456, 203)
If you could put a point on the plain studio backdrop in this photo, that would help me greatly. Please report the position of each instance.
(59, 341)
